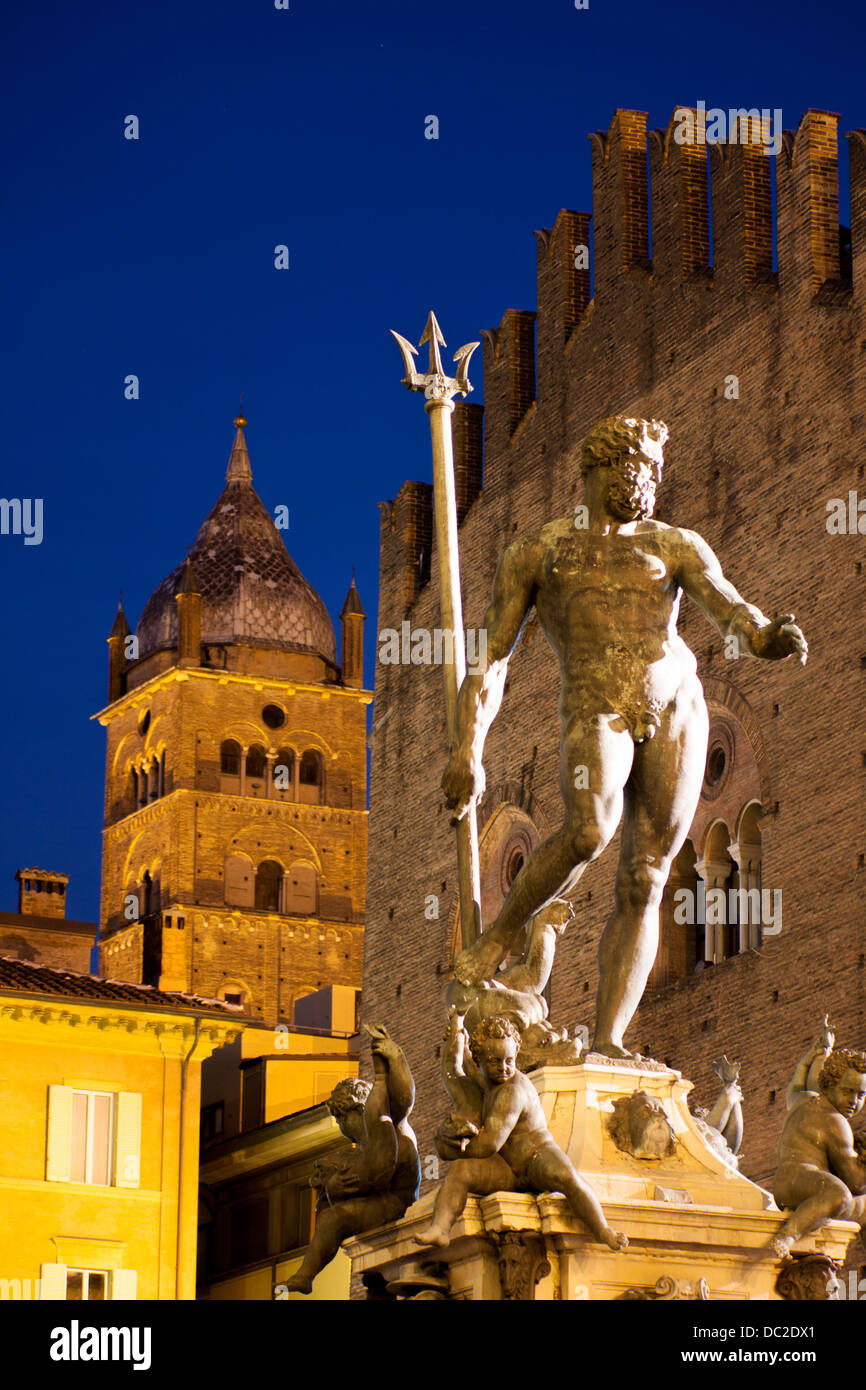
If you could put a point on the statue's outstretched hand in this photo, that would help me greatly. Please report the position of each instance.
(462, 783)
(780, 638)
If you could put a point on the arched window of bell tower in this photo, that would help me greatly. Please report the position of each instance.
(256, 770)
(269, 886)
(310, 778)
(285, 775)
(230, 766)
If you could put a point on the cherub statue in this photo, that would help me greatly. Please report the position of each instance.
(822, 1173)
(379, 1178)
(513, 1149)
(516, 992)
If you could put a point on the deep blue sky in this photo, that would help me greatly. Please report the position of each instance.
(304, 127)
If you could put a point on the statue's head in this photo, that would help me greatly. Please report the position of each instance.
(843, 1080)
(346, 1103)
(494, 1044)
(628, 452)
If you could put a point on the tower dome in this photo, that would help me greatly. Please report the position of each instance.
(251, 589)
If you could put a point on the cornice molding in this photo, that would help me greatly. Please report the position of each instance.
(174, 674)
(256, 807)
(116, 1020)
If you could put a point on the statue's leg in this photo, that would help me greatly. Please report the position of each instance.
(380, 1145)
(552, 1171)
(333, 1225)
(660, 803)
(816, 1196)
(477, 1175)
(595, 759)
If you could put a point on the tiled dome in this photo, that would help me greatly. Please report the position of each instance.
(251, 589)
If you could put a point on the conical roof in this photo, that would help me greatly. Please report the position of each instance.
(251, 589)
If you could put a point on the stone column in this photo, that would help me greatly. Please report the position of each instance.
(714, 873)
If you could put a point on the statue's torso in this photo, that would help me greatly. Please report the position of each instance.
(608, 606)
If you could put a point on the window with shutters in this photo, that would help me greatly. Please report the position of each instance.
(86, 1285)
(93, 1137)
(78, 1284)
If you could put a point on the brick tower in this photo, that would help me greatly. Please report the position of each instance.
(760, 372)
(235, 791)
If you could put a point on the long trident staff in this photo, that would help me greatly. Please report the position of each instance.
(439, 391)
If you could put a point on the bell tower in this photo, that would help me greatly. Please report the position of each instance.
(235, 792)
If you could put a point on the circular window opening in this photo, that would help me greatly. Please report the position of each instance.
(516, 860)
(273, 716)
(144, 721)
(717, 763)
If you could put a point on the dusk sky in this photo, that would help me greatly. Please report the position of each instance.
(260, 127)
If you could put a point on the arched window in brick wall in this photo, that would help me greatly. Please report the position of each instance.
(681, 934)
(239, 881)
(301, 895)
(230, 758)
(269, 886)
(311, 777)
(230, 766)
(256, 771)
(721, 879)
(283, 785)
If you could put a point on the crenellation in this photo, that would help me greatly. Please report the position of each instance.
(857, 167)
(807, 206)
(680, 212)
(742, 216)
(620, 197)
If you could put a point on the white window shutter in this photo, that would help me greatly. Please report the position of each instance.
(58, 1163)
(127, 1166)
(124, 1284)
(53, 1276)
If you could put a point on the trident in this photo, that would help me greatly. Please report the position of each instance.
(439, 391)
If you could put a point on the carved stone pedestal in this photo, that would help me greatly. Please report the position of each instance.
(696, 1227)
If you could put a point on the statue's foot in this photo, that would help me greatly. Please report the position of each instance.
(299, 1283)
(432, 1235)
(780, 1246)
(615, 1240)
(478, 962)
(608, 1048)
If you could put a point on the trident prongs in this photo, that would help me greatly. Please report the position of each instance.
(433, 335)
(461, 357)
(434, 383)
(413, 381)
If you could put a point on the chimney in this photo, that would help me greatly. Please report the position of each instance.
(41, 894)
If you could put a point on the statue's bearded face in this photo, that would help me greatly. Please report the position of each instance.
(632, 482)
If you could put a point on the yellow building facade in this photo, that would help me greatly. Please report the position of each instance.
(100, 1086)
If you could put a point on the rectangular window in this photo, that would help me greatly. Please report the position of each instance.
(212, 1121)
(86, 1285)
(92, 1134)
